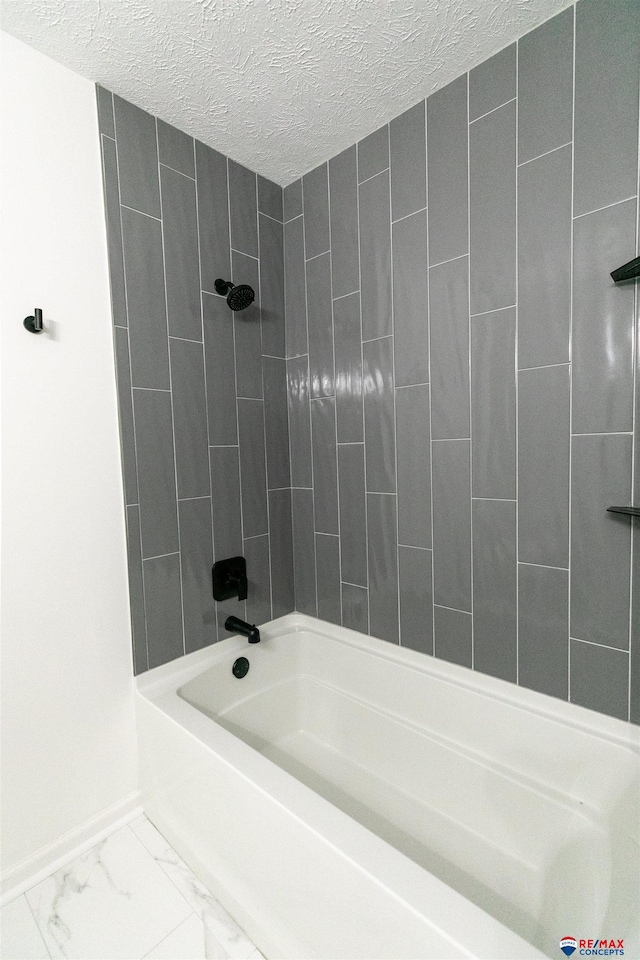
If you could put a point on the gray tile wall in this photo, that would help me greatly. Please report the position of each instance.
(461, 380)
(202, 391)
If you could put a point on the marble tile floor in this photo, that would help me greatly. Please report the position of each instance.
(129, 897)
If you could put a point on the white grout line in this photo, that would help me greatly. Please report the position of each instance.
(516, 378)
(441, 263)
(141, 212)
(364, 436)
(544, 366)
(153, 389)
(448, 439)
(159, 556)
(497, 499)
(545, 154)
(634, 588)
(408, 386)
(387, 336)
(489, 112)
(308, 355)
(604, 646)
(413, 546)
(173, 424)
(385, 170)
(342, 297)
(395, 410)
(607, 206)
(316, 255)
(241, 252)
(433, 566)
(135, 439)
(442, 606)
(570, 517)
(543, 566)
(188, 339)
(486, 313)
(187, 176)
(473, 646)
(261, 213)
(610, 433)
(406, 217)
(184, 499)
(335, 403)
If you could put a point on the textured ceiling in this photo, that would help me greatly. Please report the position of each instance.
(279, 85)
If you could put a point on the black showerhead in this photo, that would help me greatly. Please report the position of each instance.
(238, 298)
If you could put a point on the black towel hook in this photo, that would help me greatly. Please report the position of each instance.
(34, 324)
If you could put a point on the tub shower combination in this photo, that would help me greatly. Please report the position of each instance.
(347, 798)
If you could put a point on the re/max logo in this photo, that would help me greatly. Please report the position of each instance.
(603, 947)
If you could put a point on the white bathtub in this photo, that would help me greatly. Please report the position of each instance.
(352, 799)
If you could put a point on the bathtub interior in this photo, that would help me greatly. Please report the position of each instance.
(527, 816)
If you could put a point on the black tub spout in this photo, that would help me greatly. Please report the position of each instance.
(248, 630)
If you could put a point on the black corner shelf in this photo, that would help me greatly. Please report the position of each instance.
(629, 511)
(628, 271)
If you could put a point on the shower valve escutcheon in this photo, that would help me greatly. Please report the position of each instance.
(230, 579)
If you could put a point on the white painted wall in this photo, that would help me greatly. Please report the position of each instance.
(68, 735)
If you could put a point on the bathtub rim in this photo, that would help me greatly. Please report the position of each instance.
(157, 681)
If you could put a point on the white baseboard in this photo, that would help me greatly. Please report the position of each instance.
(66, 848)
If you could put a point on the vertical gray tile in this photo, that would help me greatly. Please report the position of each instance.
(493, 404)
(492, 83)
(353, 513)
(276, 422)
(544, 259)
(256, 552)
(253, 474)
(449, 320)
(136, 591)
(272, 287)
(163, 605)
(114, 232)
(175, 148)
(125, 409)
(375, 257)
(181, 254)
(189, 419)
(219, 369)
(410, 300)
(543, 466)
(343, 192)
(196, 560)
(281, 547)
(492, 214)
(383, 566)
(606, 102)
(315, 194)
(156, 472)
(243, 209)
(105, 111)
(304, 556)
(328, 554)
(142, 242)
(407, 148)
(321, 368)
(543, 630)
(600, 679)
(373, 153)
(495, 615)
(379, 426)
(414, 466)
(295, 304)
(355, 608)
(545, 87)
(600, 541)
(603, 321)
(137, 157)
(299, 421)
(246, 325)
(348, 365)
(269, 198)
(213, 216)
(225, 502)
(325, 474)
(292, 200)
(451, 524)
(453, 636)
(448, 162)
(416, 601)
